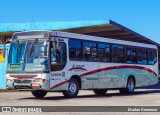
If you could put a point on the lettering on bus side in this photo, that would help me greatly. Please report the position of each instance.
(56, 74)
(78, 68)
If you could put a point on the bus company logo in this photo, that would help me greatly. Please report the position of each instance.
(78, 68)
(6, 109)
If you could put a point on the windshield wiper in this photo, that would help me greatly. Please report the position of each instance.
(32, 46)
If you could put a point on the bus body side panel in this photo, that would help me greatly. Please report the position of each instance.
(103, 75)
(92, 78)
(153, 77)
(140, 75)
(111, 76)
(74, 69)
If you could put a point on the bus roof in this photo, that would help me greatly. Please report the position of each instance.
(100, 39)
(40, 34)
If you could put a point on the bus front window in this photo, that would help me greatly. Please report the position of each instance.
(37, 55)
(28, 56)
(16, 56)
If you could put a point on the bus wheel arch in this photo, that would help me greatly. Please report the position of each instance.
(78, 79)
(73, 87)
(130, 86)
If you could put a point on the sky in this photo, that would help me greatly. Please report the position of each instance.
(142, 16)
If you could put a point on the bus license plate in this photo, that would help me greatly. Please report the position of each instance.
(35, 85)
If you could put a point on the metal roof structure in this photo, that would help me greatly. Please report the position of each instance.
(100, 28)
(112, 30)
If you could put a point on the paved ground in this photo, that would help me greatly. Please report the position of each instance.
(141, 97)
(85, 98)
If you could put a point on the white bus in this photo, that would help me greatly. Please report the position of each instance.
(51, 61)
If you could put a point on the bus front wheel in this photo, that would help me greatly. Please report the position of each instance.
(129, 88)
(39, 93)
(73, 88)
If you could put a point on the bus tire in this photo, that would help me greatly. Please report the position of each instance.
(129, 88)
(73, 89)
(100, 91)
(39, 93)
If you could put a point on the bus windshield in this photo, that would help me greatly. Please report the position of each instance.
(16, 56)
(36, 55)
(28, 55)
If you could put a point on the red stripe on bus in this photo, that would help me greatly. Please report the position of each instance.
(106, 69)
(118, 67)
(59, 84)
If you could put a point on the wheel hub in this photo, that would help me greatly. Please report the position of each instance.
(72, 87)
(130, 85)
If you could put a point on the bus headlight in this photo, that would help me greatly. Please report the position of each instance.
(36, 81)
(10, 80)
(39, 81)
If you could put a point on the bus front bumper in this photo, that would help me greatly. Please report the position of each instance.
(27, 84)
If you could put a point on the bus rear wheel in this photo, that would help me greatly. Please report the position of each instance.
(129, 88)
(100, 91)
(39, 93)
(73, 89)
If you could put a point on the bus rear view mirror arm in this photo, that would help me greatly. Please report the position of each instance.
(7, 42)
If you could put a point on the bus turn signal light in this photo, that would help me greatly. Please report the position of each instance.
(43, 80)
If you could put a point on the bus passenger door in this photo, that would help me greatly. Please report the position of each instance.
(58, 61)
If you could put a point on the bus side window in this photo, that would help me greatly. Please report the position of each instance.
(75, 52)
(118, 54)
(131, 55)
(104, 52)
(152, 56)
(141, 56)
(89, 51)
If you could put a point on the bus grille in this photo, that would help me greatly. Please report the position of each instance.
(22, 81)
